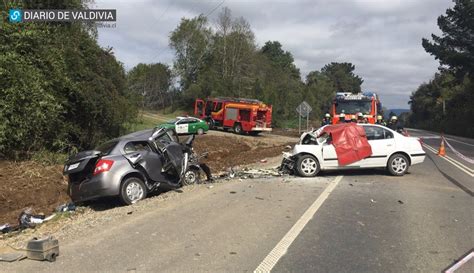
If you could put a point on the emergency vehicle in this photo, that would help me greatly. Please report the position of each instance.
(241, 115)
(351, 104)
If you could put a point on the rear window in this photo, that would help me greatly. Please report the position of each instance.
(106, 147)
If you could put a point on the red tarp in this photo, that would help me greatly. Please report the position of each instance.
(350, 142)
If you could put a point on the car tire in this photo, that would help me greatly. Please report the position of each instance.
(398, 165)
(132, 190)
(307, 166)
(200, 131)
(191, 177)
(238, 129)
(210, 124)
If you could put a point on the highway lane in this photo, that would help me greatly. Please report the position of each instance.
(367, 222)
(452, 167)
(376, 223)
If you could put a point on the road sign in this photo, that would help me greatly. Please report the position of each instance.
(304, 109)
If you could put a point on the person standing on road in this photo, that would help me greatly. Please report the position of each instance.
(360, 118)
(342, 118)
(380, 121)
(326, 120)
(393, 123)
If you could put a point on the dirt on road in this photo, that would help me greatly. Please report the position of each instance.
(31, 184)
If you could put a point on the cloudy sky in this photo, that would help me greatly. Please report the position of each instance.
(381, 37)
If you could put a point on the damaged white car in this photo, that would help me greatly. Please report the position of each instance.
(353, 146)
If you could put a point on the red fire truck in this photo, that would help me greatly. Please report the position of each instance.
(242, 115)
(350, 104)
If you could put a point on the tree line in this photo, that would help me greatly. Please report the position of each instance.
(59, 89)
(445, 103)
(224, 60)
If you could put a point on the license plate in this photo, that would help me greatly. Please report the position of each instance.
(73, 166)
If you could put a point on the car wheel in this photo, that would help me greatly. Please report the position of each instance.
(307, 166)
(191, 177)
(200, 131)
(133, 189)
(238, 129)
(398, 165)
(210, 124)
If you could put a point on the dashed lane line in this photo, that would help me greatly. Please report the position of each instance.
(282, 247)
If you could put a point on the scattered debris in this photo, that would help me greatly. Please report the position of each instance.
(350, 184)
(43, 249)
(400, 202)
(12, 257)
(373, 201)
(263, 161)
(233, 253)
(29, 220)
(5, 228)
(210, 186)
(360, 223)
(66, 207)
(259, 198)
(233, 192)
(130, 212)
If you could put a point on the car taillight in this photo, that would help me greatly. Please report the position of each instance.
(103, 165)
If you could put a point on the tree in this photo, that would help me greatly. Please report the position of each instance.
(343, 77)
(191, 41)
(152, 83)
(283, 59)
(58, 87)
(319, 91)
(455, 48)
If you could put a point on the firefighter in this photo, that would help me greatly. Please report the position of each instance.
(342, 118)
(326, 120)
(393, 123)
(360, 118)
(380, 121)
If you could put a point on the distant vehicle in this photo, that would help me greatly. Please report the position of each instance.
(186, 125)
(389, 149)
(130, 166)
(350, 104)
(241, 115)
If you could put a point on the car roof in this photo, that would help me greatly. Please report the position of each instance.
(140, 135)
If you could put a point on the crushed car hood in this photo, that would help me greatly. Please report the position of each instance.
(350, 142)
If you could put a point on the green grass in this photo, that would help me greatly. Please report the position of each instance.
(150, 119)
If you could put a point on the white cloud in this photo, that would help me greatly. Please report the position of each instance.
(381, 37)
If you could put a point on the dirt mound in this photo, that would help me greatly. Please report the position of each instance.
(29, 184)
(225, 151)
(43, 188)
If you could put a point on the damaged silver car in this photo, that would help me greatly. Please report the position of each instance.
(130, 167)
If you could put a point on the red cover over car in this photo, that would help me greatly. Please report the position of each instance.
(350, 142)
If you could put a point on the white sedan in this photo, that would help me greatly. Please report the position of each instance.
(390, 150)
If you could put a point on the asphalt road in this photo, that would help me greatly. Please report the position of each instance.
(351, 221)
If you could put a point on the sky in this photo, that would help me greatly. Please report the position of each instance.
(382, 38)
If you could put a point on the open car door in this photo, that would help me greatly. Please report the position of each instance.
(141, 155)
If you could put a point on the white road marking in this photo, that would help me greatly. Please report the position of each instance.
(465, 143)
(453, 162)
(282, 247)
(452, 159)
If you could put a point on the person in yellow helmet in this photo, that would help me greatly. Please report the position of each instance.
(342, 118)
(326, 120)
(381, 121)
